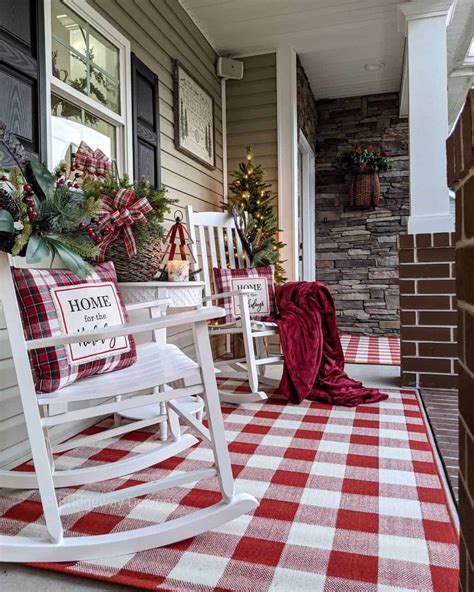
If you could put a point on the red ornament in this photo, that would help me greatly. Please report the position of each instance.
(27, 187)
(76, 185)
(4, 178)
(32, 215)
(30, 202)
(82, 225)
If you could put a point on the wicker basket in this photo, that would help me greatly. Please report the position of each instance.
(141, 267)
(365, 190)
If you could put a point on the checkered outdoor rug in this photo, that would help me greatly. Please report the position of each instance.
(351, 500)
(373, 349)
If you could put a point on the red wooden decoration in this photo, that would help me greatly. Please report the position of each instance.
(177, 239)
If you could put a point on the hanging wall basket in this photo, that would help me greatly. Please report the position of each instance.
(365, 190)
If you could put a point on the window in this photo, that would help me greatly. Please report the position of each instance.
(89, 84)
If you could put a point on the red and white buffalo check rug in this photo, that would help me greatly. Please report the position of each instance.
(351, 500)
(371, 349)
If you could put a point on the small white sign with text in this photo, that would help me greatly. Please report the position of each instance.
(259, 304)
(85, 307)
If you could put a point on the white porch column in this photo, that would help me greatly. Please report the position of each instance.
(424, 22)
(287, 158)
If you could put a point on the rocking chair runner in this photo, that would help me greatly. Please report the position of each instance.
(211, 233)
(157, 365)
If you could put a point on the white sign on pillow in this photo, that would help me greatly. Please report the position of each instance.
(259, 302)
(85, 307)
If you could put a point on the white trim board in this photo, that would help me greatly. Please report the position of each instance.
(287, 158)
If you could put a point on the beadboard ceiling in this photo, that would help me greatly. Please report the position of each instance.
(334, 38)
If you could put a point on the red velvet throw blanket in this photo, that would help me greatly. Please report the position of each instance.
(313, 356)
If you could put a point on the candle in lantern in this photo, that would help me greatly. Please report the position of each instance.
(178, 271)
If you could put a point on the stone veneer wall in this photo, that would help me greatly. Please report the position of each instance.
(460, 148)
(306, 106)
(356, 250)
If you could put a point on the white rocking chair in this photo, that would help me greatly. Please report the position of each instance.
(216, 243)
(143, 383)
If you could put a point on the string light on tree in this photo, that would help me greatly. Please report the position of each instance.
(251, 202)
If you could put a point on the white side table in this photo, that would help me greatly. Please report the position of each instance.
(183, 295)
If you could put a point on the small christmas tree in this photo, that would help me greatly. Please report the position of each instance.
(251, 204)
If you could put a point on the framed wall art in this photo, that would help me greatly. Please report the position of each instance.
(194, 131)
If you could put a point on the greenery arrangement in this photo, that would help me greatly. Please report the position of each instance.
(43, 215)
(146, 223)
(251, 204)
(365, 160)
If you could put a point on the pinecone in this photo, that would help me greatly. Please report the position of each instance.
(8, 203)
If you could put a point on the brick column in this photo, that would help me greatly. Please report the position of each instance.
(461, 176)
(428, 311)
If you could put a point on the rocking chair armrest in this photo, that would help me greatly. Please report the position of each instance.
(150, 304)
(221, 295)
(200, 315)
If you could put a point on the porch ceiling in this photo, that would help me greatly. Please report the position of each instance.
(333, 39)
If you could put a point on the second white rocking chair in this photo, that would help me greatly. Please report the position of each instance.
(216, 243)
(143, 383)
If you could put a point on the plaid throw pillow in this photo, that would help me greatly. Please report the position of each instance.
(259, 279)
(56, 301)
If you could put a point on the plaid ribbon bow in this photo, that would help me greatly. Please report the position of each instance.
(93, 162)
(122, 212)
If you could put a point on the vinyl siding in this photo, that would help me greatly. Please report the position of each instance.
(158, 30)
(252, 120)
(252, 116)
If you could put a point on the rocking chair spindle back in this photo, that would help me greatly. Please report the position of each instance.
(216, 243)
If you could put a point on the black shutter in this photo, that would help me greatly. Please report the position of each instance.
(22, 83)
(146, 123)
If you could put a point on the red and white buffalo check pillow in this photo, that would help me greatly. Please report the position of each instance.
(57, 301)
(259, 279)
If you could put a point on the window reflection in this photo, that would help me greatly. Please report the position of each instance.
(71, 124)
(83, 58)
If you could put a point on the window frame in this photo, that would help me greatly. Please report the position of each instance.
(122, 121)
